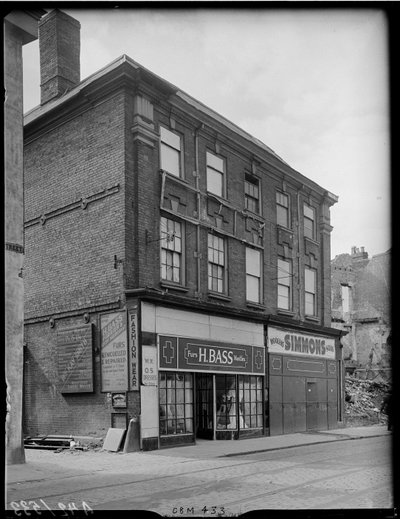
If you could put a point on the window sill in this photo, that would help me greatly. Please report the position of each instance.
(251, 214)
(311, 240)
(180, 180)
(312, 318)
(172, 286)
(222, 297)
(287, 229)
(255, 306)
(289, 313)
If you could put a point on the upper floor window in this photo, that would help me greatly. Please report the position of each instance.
(215, 174)
(171, 250)
(216, 264)
(284, 284)
(282, 209)
(252, 194)
(309, 221)
(345, 298)
(310, 285)
(170, 151)
(253, 275)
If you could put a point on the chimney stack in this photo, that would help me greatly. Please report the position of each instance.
(59, 47)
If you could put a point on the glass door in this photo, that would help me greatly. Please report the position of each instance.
(204, 406)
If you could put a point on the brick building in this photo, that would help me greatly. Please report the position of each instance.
(176, 267)
(361, 306)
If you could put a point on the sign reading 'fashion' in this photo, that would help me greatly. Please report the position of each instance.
(290, 343)
(197, 355)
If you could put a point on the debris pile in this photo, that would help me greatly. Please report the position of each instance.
(363, 400)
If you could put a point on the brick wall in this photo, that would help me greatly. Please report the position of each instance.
(70, 257)
(143, 259)
(46, 409)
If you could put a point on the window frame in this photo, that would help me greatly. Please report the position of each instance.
(171, 147)
(254, 182)
(180, 253)
(306, 218)
(212, 169)
(169, 408)
(313, 293)
(216, 265)
(289, 284)
(250, 275)
(287, 209)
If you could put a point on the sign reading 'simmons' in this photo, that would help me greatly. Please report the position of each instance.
(300, 344)
(198, 355)
(114, 352)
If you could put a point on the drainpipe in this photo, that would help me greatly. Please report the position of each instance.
(196, 147)
(300, 276)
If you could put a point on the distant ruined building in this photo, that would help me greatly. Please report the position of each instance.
(361, 306)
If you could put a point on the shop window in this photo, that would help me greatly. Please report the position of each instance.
(226, 402)
(171, 250)
(216, 264)
(170, 152)
(253, 275)
(309, 221)
(176, 403)
(250, 402)
(282, 210)
(215, 174)
(310, 291)
(284, 284)
(252, 194)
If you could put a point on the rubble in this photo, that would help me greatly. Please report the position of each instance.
(363, 400)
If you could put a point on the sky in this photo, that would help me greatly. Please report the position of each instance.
(313, 85)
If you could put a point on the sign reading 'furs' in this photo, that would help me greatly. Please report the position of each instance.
(114, 352)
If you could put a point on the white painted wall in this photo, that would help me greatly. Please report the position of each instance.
(182, 323)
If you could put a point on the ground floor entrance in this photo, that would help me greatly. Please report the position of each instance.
(211, 406)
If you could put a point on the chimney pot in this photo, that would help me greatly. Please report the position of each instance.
(59, 47)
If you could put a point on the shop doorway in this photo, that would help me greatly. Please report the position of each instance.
(204, 406)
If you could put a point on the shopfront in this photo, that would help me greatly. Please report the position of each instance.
(211, 380)
(305, 381)
(208, 389)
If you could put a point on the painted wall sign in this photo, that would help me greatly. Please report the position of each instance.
(149, 366)
(197, 355)
(293, 343)
(114, 352)
(75, 359)
(133, 352)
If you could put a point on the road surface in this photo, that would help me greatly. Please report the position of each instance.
(336, 475)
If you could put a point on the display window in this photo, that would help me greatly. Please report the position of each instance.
(250, 401)
(176, 403)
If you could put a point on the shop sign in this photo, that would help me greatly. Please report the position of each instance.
(149, 366)
(114, 352)
(197, 355)
(75, 359)
(299, 344)
(133, 352)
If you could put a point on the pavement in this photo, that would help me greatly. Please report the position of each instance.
(44, 465)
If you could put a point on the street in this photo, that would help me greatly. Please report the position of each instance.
(345, 474)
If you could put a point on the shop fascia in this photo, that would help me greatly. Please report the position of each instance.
(286, 342)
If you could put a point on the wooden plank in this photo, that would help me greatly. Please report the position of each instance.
(114, 439)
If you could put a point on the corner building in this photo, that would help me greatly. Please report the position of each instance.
(177, 269)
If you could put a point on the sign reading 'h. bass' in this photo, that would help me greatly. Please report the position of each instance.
(196, 355)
